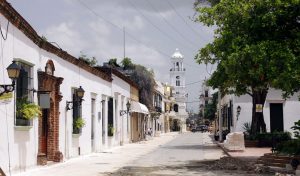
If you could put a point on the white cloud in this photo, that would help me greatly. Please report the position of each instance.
(133, 24)
(66, 36)
(101, 29)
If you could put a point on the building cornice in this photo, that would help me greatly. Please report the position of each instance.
(19, 22)
(110, 70)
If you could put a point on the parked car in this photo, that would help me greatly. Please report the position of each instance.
(201, 128)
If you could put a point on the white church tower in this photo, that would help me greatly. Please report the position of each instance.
(177, 78)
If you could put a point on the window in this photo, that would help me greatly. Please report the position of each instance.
(177, 80)
(23, 86)
(176, 107)
(206, 93)
(77, 112)
(110, 110)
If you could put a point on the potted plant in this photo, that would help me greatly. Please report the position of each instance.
(78, 125)
(111, 130)
(26, 111)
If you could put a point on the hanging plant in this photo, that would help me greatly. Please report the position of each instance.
(111, 130)
(27, 110)
(79, 123)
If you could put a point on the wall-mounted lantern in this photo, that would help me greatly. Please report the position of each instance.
(122, 112)
(79, 95)
(13, 71)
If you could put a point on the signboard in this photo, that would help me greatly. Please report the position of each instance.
(6, 98)
(259, 108)
(44, 100)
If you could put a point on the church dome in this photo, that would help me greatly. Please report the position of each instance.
(177, 55)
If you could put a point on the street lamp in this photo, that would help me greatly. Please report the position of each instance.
(122, 112)
(238, 112)
(13, 71)
(79, 93)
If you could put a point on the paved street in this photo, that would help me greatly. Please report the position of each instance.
(169, 150)
(177, 157)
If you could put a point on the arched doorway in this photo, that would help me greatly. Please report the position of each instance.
(49, 120)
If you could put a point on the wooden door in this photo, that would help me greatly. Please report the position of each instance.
(44, 131)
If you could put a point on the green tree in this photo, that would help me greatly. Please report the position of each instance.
(113, 62)
(256, 46)
(145, 79)
(92, 61)
(127, 63)
(211, 108)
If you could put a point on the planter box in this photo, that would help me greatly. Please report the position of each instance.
(250, 143)
(22, 122)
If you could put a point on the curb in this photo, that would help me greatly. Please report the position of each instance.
(224, 150)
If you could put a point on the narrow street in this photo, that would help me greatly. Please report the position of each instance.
(180, 156)
(170, 154)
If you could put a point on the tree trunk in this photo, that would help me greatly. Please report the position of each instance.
(258, 124)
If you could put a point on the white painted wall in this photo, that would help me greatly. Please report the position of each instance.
(291, 110)
(21, 147)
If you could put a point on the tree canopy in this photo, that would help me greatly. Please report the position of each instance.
(211, 108)
(256, 46)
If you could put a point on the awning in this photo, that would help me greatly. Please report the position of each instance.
(138, 107)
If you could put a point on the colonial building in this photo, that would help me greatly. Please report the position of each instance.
(279, 114)
(177, 79)
(82, 108)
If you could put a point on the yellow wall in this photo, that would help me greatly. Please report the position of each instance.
(134, 93)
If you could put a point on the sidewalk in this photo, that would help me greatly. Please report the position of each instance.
(99, 163)
(249, 154)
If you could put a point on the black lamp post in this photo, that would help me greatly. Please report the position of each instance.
(122, 112)
(79, 95)
(80, 92)
(13, 71)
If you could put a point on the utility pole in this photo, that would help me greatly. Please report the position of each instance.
(124, 44)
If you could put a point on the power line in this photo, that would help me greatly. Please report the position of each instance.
(155, 26)
(194, 82)
(170, 24)
(120, 28)
(128, 34)
(181, 17)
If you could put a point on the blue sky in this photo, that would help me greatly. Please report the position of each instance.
(154, 29)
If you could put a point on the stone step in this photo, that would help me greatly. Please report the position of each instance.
(274, 164)
(276, 160)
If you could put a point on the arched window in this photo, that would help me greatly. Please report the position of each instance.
(177, 80)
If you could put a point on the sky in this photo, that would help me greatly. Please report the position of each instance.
(153, 30)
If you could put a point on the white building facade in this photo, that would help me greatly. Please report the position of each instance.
(177, 80)
(51, 72)
(279, 114)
